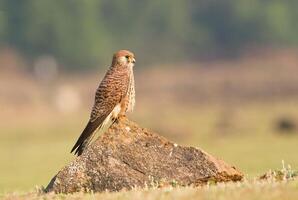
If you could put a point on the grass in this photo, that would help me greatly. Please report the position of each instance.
(246, 190)
(276, 184)
(229, 112)
(37, 149)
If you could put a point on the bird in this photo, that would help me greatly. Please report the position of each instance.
(114, 97)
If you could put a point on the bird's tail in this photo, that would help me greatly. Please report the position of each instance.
(86, 137)
(80, 146)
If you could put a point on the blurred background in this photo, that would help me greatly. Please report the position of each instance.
(219, 75)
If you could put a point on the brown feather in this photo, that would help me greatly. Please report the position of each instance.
(111, 91)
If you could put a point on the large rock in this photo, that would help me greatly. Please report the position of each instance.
(128, 156)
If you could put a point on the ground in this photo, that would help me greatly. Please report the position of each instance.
(232, 110)
(35, 151)
(247, 190)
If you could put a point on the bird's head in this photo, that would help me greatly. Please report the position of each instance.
(124, 57)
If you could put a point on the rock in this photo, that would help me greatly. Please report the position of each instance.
(286, 125)
(128, 156)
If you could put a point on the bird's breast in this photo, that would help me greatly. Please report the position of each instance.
(131, 93)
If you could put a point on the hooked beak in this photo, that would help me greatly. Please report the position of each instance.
(133, 60)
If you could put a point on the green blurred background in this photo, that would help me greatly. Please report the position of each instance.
(219, 75)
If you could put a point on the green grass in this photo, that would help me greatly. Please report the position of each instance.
(34, 150)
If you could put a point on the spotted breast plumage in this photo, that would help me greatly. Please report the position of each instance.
(114, 97)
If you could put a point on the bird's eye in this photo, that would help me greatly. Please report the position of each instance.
(126, 57)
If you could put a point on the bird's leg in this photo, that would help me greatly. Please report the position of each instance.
(114, 119)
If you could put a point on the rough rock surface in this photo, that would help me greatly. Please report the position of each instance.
(128, 156)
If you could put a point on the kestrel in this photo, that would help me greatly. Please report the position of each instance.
(114, 97)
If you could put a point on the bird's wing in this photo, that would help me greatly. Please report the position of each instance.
(109, 93)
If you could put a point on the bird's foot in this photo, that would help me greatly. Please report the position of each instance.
(117, 119)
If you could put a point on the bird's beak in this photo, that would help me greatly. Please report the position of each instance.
(133, 60)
